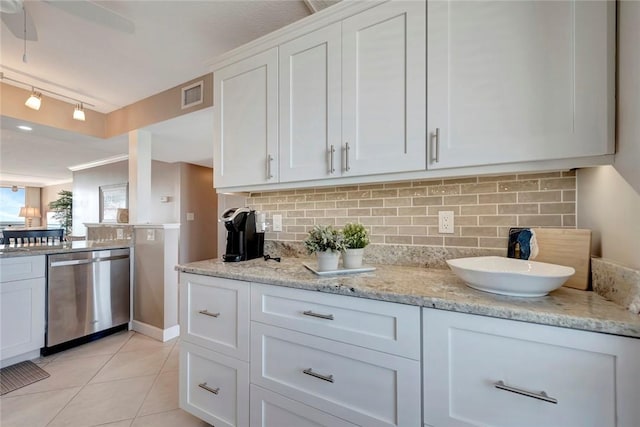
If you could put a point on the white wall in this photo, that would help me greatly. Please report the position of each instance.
(609, 206)
(609, 197)
(627, 160)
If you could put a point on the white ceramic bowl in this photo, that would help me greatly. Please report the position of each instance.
(509, 276)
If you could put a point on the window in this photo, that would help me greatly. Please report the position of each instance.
(10, 204)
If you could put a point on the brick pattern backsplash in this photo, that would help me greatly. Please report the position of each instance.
(406, 213)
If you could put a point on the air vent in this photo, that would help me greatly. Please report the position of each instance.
(192, 94)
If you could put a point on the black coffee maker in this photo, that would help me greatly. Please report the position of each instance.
(243, 242)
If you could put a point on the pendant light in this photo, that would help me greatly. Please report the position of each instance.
(34, 100)
(78, 113)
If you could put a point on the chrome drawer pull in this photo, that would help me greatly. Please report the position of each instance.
(208, 313)
(209, 389)
(347, 149)
(541, 396)
(321, 316)
(309, 371)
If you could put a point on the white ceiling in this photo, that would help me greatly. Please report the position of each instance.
(171, 44)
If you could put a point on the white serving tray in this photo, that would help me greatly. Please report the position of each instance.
(363, 269)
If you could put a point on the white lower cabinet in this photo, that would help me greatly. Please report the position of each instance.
(214, 387)
(269, 409)
(481, 371)
(22, 308)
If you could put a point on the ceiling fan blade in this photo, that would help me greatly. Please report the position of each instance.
(95, 13)
(15, 24)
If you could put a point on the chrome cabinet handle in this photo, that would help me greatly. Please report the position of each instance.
(208, 313)
(435, 154)
(332, 150)
(328, 378)
(209, 389)
(321, 316)
(269, 160)
(541, 396)
(347, 165)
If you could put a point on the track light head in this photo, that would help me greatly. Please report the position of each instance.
(78, 113)
(34, 101)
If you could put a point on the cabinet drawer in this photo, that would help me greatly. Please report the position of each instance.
(22, 267)
(362, 386)
(379, 325)
(213, 387)
(269, 409)
(524, 374)
(214, 313)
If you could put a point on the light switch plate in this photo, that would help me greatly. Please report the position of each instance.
(277, 223)
(190, 216)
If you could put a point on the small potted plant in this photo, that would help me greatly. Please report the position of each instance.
(356, 238)
(326, 242)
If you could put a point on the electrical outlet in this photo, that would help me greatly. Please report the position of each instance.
(277, 223)
(190, 216)
(151, 234)
(445, 222)
(119, 234)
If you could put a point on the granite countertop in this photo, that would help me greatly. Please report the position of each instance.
(10, 251)
(435, 288)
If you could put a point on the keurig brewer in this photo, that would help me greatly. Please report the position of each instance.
(243, 242)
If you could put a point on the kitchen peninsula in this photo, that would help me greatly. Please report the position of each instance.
(82, 286)
(284, 344)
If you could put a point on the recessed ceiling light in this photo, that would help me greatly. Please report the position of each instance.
(26, 128)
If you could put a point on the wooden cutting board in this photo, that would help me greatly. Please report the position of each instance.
(569, 247)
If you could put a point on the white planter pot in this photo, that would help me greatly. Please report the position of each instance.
(352, 258)
(328, 260)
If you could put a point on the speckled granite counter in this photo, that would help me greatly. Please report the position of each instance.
(9, 251)
(435, 288)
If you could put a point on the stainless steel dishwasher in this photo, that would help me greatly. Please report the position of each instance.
(87, 292)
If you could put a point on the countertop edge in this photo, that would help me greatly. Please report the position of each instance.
(495, 309)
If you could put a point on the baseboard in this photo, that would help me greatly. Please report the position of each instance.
(154, 332)
(34, 354)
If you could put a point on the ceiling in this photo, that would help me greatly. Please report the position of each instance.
(77, 57)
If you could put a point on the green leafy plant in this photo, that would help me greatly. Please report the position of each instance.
(63, 207)
(324, 238)
(355, 235)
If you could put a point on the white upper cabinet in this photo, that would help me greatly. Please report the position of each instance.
(246, 121)
(515, 81)
(383, 69)
(310, 74)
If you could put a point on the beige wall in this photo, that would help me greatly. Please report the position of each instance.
(58, 114)
(32, 198)
(198, 238)
(611, 208)
(49, 194)
(157, 108)
(627, 160)
(406, 213)
(165, 181)
(86, 192)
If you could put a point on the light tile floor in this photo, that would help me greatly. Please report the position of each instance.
(123, 380)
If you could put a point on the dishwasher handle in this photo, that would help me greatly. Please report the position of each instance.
(86, 261)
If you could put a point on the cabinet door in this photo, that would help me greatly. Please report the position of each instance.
(383, 117)
(214, 387)
(246, 121)
(526, 375)
(214, 313)
(512, 81)
(310, 74)
(21, 316)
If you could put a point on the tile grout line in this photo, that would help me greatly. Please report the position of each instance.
(87, 383)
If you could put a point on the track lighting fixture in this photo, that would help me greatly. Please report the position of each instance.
(35, 99)
(78, 113)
